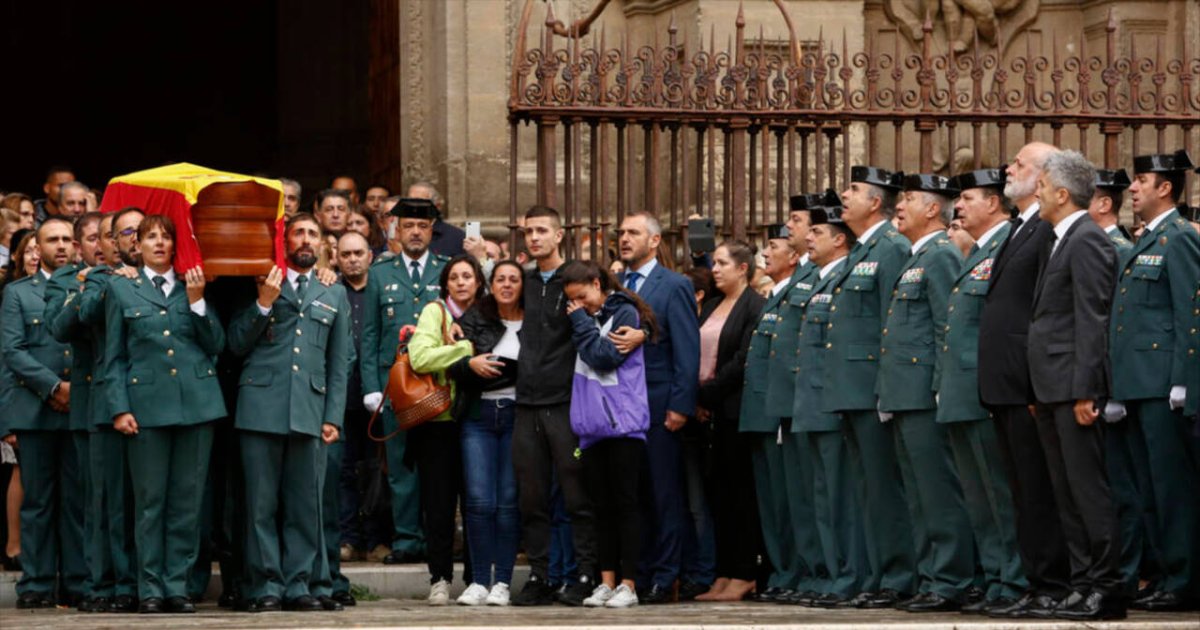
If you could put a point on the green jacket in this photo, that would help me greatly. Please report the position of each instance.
(298, 359)
(810, 352)
(429, 354)
(753, 415)
(781, 379)
(915, 328)
(392, 300)
(958, 358)
(159, 356)
(34, 359)
(1153, 317)
(860, 303)
(1123, 245)
(62, 317)
(91, 312)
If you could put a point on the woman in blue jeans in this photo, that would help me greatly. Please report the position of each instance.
(484, 407)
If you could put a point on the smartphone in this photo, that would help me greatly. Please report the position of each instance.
(474, 230)
(701, 236)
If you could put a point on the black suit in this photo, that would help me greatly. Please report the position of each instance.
(1068, 361)
(1005, 389)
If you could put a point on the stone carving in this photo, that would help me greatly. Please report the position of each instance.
(993, 21)
(417, 165)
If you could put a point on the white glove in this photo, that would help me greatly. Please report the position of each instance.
(937, 399)
(373, 401)
(884, 416)
(1114, 410)
(1178, 396)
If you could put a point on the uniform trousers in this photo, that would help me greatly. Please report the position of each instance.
(51, 532)
(837, 513)
(770, 489)
(1128, 464)
(802, 518)
(327, 575)
(77, 507)
(407, 536)
(113, 556)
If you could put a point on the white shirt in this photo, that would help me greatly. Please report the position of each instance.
(869, 232)
(421, 262)
(924, 239)
(508, 347)
(1157, 221)
(644, 270)
(828, 268)
(1060, 230)
(1026, 217)
(45, 274)
(168, 286)
(780, 286)
(803, 260)
(987, 236)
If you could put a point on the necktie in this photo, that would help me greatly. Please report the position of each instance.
(416, 271)
(631, 280)
(160, 284)
(301, 284)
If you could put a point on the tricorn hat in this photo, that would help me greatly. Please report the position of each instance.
(806, 201)
(983, 178)
(931, 183)
(1114, 180)
(877, 176)
(777, 230)
(1163, 163)
(414, 208)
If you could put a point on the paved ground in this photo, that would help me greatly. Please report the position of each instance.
(415, 614)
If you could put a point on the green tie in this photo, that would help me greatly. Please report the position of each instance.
(301, 283)
(159, 282)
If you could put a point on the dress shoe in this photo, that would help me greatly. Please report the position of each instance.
(151, 606)
(87, 605)
(35, 600)
(179, 605)
(932, 602)
(689, 590)
(229, 598)
(123, 604)
(826, 600)
(304, 603)
(270, 603)
(767, 595)
(101, 604)
(1028, 606)
(344, 598)
(401, 557)
(784, 596)
(904, 603)
(887, 598)
(1163, 601)
(979, 606)
(802, 598)
(1091, 607)
(655, 595)
(857, 601)
(329, 603)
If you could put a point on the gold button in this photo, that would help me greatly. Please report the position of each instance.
(36, 320)
(945, 348)
(295, 368)
(66, 353)
(829, 325)
(832, 309)
(301, 315)
(88, 378)
(772, 353)
(166, 333)
(133, 380)
(885, 331)
(947, 327)
(904, 295)
(889, 311)
(162, 312)
(1120, 328)
(837, 290)
(1123, 290)
(299, 332)
(955, 290)
(1128, 271)
(1193, 331)
(870, 357)
(170, 352)
(884, 351)
(828, 345)
(272, 319)
(1191, 351)
(914, 359)
(894, 292)
(174, 371)
(1154, 346)
(951, 308)
(296, 350)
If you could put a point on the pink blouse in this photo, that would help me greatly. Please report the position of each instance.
(710, 336)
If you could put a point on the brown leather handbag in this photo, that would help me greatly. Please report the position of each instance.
(416, 398)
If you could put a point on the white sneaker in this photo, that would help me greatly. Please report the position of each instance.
(623, 597)
(499, 595)
(599, 596)
(439, 593)
(475, 595)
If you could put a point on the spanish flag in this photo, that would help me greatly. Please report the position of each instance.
(173, 190)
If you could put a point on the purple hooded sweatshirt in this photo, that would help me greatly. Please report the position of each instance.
(608, 394)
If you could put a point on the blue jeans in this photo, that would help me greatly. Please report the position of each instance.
(492, 520)
(564, 570)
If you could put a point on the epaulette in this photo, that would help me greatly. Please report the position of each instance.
(24, 279)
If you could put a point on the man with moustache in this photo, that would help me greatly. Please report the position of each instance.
(1006, 392)
(333, 210)
(304, 375)
(52, 551)
(376, 195)
(447, 239)
(969, 427)
(72, 200)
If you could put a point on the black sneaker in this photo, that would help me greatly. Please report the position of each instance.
(574, 594)
(535, 593)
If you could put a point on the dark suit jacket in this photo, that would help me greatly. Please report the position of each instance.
(673, 361)
(447, 239)
(1068, 334)
(1004, 320)
(723, 394)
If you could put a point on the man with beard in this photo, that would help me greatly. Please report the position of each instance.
(36, 413)
(447, 239)
(296, 340)
(397, 291)
(47, 207)
(64, 324)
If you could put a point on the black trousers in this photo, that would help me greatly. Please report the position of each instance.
(1040, 539)
(611, 469)
(1086, 510)
(735, 501)
(438, 457)
(542, 440)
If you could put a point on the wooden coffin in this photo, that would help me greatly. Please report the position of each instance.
(234, 225)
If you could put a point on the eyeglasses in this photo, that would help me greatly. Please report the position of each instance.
(127, 232)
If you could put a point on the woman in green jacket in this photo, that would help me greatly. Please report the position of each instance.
(434, 445)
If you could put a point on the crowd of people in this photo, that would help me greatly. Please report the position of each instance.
(973, 393)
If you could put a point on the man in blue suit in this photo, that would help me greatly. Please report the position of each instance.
(672, 373)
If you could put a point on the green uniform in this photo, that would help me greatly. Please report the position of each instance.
(850, 366)
(914, 330)
(293, 382)
(835, 502)
(62, 319)
(971, 433)
(51, 541)
(394, 298)
(1151, 333)
(159, 366)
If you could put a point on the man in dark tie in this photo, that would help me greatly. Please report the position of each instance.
(1070, 374)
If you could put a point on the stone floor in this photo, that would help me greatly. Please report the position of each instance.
(409, 613)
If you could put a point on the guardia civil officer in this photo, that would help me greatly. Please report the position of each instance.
(914, 330)
(162, 391)
(398, 288)
(851, 364)
(1152, 343)
(36, 413)
(969, 427)
(291, 397)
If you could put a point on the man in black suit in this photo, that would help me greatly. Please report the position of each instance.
(1070, 373)
(1005, 390)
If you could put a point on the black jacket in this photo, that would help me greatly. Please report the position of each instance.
(547, 361)
(723, 394)
(484, 332)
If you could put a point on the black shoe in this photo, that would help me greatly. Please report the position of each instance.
(402, 557)
(933, 602)
(1029, 606)
(784, 596)
(229, 599)
(827, 600)
(179, 605)
(101, 604)
(344, 598)
(270, 603)
(86, 605)
(979, 607)
(974, 595)
(29, 601)
(1163, 601)
(123, 604)
(689, 590)
(304, 603)
(857, 601)
(905, 603)
(887, 598)
(802, 598)
(329, 603)
(656, 595)
(535, 593)
(1094, 606)
(151, 606)
(574, 594)
(767, 595)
